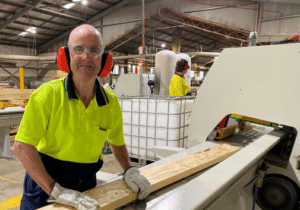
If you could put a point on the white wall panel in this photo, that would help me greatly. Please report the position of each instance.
(233, 16)
(11, 50)
(286, 26)
(125, 14)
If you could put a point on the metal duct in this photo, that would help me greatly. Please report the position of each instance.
(53, 58)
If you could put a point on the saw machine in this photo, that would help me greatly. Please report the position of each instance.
(260, 84)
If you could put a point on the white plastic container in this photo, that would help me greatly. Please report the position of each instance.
(150, 121)
(165, 62)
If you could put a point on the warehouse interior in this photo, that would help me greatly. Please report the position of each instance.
(231, 144)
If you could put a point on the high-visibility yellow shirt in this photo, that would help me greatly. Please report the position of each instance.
(60, 126)
(178, 86)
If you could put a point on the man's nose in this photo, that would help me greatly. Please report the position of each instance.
(86, 55)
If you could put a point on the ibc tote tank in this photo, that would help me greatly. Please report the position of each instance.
(189, 60)
(165, 62)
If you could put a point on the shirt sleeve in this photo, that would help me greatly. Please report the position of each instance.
(116, 136)
(34, 122)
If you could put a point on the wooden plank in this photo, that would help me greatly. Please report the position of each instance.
(15, 94)
(116, 194)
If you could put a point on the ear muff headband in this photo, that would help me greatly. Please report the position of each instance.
(186, 64)
(106, 65)
(63, 62)
(63, 59)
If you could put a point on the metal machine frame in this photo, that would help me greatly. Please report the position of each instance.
(257, 82)
(8, 116)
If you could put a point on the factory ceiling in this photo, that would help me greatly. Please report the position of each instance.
(39, 23)
(196, 35)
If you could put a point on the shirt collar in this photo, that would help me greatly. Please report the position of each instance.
(101, 96)
(179, 74)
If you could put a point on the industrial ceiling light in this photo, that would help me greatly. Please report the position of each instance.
(84, 2)
(163, 45)
(31, 29)
(23, 33)
(68, 6)
(77, 0)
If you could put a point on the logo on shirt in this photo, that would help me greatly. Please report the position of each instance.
(102, 129)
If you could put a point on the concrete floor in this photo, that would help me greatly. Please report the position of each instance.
(12, 176)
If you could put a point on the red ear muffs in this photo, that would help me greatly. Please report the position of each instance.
(106, 65)
(63, 59)
(186, 64)
(295, 38)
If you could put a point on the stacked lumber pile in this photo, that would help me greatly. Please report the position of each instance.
(7, 85)
(14, 97)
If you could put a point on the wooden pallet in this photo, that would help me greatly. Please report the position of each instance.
(116, 194)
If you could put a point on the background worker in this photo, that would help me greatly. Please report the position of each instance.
(178, 85)
(63, 130)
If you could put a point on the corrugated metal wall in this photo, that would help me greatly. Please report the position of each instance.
(232, 16)
(285, 26)
(125, 14)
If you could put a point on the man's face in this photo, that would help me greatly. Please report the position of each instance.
(85, 65)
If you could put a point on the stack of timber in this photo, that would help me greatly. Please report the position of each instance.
(7, 86)
(116, 194)
(56, 74)
(14, 97)
(15, 94)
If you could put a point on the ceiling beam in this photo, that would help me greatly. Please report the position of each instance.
(38, 26)
(40, 10)
(106, 2)
(7, 12)
(89, 21)
(163, 40)
(88, 6)
(17, 45)
(25, 37)
(205, 36)
(20, 29)
(140, 2)
(30, 17)
(170, 34)
(61, 7)
(276, 1)
(19, 14)
(12, 42)
(41, 19)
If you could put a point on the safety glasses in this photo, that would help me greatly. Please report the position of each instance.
(93, 51)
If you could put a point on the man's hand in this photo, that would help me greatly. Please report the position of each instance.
(137, 182)
(72, 198)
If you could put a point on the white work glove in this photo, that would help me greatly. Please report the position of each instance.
(72, 198)
(137, 182)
